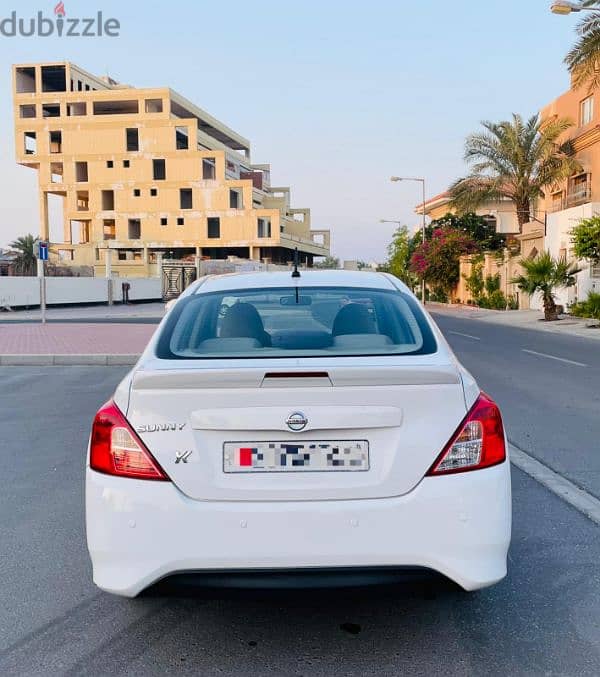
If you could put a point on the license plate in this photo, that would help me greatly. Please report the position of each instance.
(306, 456)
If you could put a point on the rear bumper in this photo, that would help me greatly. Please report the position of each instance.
(139, 531)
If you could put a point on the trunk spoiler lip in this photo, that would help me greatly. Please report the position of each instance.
(343, 376)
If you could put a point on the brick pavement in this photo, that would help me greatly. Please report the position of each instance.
(74, 339)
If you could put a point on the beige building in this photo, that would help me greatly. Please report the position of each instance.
(502, 215)
(578, 197)
(144, 173)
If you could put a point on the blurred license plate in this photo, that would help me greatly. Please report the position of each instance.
(330, 456)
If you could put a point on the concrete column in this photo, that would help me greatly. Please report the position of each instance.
(38, 79)
(44, 222)
(109, 282)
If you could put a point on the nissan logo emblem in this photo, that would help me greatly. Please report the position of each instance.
(296, 421)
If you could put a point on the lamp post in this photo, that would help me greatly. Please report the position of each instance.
(390, 221)
(422, 181)
(563, 7)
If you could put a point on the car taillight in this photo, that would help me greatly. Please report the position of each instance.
(115, 449)
(478, 442)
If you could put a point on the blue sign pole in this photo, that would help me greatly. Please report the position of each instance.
(42, 255)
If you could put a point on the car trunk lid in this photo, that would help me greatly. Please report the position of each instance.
(405, 413)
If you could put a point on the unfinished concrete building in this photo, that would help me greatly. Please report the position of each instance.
(144, 172)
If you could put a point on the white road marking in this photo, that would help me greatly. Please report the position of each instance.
(553, 357)
(459, 333)
(570, 493)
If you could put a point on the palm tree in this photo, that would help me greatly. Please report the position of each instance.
(23, 247)
(514, 159)
(583, 59)
(544, 274)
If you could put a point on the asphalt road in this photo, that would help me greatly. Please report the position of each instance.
(543, 619)
(547, 386)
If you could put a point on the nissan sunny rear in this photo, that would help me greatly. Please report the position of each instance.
(291, 425)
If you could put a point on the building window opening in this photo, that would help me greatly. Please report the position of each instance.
(109, 229)
(116, 107)
(159, 170)
(27, 111)
(181, 138)
(54, 79)
(209, 172)
(153, 192)
(108, 200)
(51, 110)
(164, 221)
(56, 141)
(30, 143)
(80, 231)
(76, 108)
(214, 227)
(83, 201)
(110, 164)
(264, 227)
(134, 229)
(126, 164)
(154, 105)
(56, 172)
(137, 192)
(185, 198)
(235, 199)
(25, 80)
(180, 221)
(586, 111)
(81, 172)
(132, 139)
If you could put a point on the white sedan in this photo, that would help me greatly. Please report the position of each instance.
(279, 426)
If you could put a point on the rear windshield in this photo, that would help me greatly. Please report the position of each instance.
(295, 322)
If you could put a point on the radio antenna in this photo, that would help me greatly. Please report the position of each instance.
(296, 272)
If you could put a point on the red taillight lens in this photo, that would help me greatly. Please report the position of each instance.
(115, 449)
(478, 442)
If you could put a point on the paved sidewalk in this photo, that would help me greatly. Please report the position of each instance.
(72, 343)
(522, 319)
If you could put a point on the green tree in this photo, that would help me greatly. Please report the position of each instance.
(23, 247)
(514, 159)
(328, 262)
(400, 250)
(545, 274)
(480, 229)
(437, 260)
(586, 239)
(583, 59)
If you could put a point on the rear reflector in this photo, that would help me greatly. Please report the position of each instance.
(478, 442)
(115, 449)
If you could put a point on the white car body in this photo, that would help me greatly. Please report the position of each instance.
(392, 515)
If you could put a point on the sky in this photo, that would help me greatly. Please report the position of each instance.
(337, 96)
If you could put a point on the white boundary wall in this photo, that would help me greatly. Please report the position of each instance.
(25, 291)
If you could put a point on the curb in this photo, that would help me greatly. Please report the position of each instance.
(576, 497)
(64, 360)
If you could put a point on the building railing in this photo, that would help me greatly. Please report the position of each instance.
(578, 197)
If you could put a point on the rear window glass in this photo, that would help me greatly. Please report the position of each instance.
(295, 322)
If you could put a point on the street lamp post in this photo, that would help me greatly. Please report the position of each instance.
(563, 7)
(422, 181)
